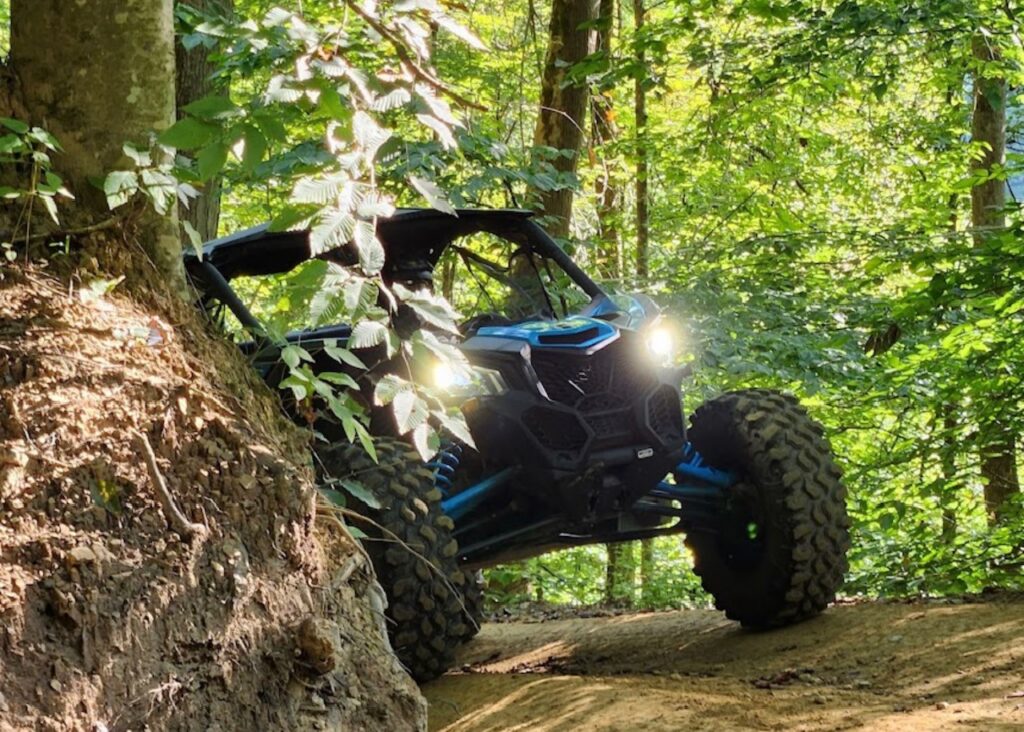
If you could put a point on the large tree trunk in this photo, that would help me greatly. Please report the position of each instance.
(988, 203)
(603, 131)
(563, 108)
(642, 166)
(195, 80)
(97, 75)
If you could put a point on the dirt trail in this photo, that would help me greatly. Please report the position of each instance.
(876, 666)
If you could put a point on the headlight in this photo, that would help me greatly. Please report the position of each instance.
(661, 342)
(444, 376)
(474, 381)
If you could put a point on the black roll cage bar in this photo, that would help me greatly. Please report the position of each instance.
(292, 248)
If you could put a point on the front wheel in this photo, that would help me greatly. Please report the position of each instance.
(413, 553)
(777, 553)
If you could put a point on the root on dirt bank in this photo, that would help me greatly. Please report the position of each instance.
(242, 612)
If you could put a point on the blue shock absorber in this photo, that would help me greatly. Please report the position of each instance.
(444, 465)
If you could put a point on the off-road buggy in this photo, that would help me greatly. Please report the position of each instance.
(578, 430)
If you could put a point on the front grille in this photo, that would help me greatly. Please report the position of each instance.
(555, 429)
(612, 371)
(569, 378)
(605, 388)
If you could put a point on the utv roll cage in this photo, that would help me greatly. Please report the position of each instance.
(413, 240)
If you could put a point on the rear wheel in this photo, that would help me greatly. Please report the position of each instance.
(419, 571)
(778, 553)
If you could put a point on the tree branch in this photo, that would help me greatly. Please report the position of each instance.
(403, 55)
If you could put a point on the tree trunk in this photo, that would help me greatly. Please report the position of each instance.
(195, 71)
(620, 574)
(642, 171)
(563, 108)
(952, 485)
(647, 572)
(108, 80)
(603, 131)
(988, 203)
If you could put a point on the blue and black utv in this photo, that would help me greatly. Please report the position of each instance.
(578, 431)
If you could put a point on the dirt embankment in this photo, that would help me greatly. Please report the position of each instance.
(243, 613)
(919, 666)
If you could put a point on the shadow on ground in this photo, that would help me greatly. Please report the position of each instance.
(880, 666)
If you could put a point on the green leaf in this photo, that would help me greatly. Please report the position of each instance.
(331, 232)
(298, 384)
(292, 217)
(455, 423)
(14, 125)
(366, 441)
(119, 187)
(272, 127)
(430, 308)
(371, 253)
(388, 388)
(188, 134)
(434, 195)
(141, 158)
(255, 149)
(410, 411)
(342, 355)
(443, 131)
(367, 334)
(338, 378)
(360, 492)
(212, 159)
(193, 237)
(51, 208)
(337, 498)
(293, 355)
(457, 30)
(421, 440)
(107, 495)
(45, 138)
(212, 107)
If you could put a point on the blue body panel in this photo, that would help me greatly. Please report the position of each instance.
(548, 333)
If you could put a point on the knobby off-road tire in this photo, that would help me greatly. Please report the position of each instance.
(780, 553)
(421, 576)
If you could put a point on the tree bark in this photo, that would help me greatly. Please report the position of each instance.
(642, 163)
(563, 108)
(195, 80)
(620, 574)
(998, 441)
(603, 131)
(647, 572)
(107, 80)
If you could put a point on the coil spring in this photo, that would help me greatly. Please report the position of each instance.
(444, 464)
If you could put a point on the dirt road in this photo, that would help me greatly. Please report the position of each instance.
(920, 666)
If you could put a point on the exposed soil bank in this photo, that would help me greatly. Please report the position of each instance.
(241, 607)
(921, 666)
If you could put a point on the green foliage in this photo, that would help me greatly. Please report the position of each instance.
(28, 151)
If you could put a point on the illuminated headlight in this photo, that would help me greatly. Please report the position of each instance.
(474, 381)
(661, 342)
(444, 376)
